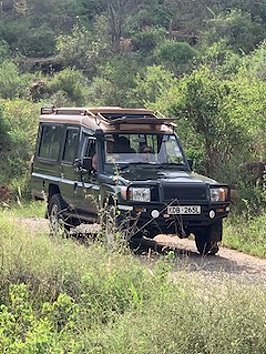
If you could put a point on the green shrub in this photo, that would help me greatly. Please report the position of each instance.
(19, 120)
(177, 56)
(13, 83)
(58, 296)
(247, 233)
(147, 41)
(72, 84)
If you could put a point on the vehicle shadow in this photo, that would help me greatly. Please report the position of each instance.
(187, 258)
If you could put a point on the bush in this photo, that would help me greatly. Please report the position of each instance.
(13, 83)
(59, 296)
(72, 84)
(202, 107)
(152, 84)
(177, 56)
(81, 50)
(19, 120)
(37, 42)
(147, 41)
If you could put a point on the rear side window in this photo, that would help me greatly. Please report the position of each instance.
(50, 142)
(89, 148)
(71, 144)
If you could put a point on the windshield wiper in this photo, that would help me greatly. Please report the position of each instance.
(129, 164)
(172, 164)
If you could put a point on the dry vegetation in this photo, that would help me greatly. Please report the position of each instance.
(59, 296)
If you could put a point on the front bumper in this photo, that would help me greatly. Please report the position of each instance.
(155, 219)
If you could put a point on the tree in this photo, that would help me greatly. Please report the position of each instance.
(176, 56)
(151, 85)
(81, 50)
(118, 11)
(238, 28)
(203, 103)
(72, 84)
(13, 83)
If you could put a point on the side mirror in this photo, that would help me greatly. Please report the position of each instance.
(190, 163)
(87, 164)
(83, 165)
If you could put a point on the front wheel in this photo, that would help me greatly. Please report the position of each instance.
(207, 239)
(117, 228)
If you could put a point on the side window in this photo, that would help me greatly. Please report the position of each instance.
(50, 142)
(89, 148)
(71, 144)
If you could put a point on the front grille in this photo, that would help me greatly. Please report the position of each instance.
(185, 192)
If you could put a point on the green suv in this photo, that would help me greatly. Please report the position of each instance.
(130, 164)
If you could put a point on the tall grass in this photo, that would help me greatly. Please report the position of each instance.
(59, 296)
(247, 235)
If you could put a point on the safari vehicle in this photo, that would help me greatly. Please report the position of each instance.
(125, 160)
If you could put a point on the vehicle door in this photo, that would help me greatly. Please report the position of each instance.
(69, 178)
(88, 188)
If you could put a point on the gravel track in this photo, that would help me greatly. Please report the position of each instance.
(227, 262)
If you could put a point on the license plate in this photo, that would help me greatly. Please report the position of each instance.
(184, 210)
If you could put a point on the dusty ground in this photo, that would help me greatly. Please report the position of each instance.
(228, 262)
(235, 264)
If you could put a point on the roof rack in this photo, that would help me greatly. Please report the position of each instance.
(48, 110)
(113, 117)
(74, 111)
(70, 111)
(145, 120)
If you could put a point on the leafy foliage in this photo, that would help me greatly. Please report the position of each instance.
(201, 62)
(176, 55)
(239, 29)
(81, 50)
(203, 103)
(18, 128)
(59, 297)
(72, 84)
(13, 84)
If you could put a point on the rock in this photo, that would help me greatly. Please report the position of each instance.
(5, 194)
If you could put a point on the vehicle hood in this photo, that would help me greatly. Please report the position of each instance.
(145, 175)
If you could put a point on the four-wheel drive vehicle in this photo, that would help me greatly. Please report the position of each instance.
(130, 164)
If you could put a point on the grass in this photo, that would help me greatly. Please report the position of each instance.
(240, 233)
(26, 209)
(246, 235)
(58, 296)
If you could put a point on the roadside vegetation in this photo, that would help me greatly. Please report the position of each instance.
(246, 234)
(204, 65)
(58, 296)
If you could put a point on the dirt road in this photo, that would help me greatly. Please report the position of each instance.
(228, 262)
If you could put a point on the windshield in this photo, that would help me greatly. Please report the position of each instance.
(144, 149)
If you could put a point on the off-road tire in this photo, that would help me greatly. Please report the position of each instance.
(56, 213)
(206, 247)
(207, 239)
(116, 224)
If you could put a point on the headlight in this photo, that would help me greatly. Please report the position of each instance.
(139, 194)
(219, 194)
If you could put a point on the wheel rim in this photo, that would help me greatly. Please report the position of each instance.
(214, 248)
(109, 231)
(54, 219)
